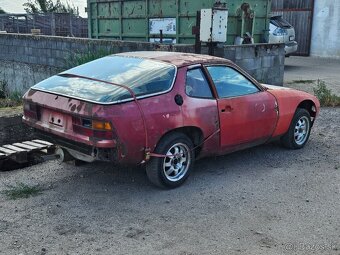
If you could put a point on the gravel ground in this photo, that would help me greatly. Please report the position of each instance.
(265, 200)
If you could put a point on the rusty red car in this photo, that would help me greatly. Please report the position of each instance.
(164, 110)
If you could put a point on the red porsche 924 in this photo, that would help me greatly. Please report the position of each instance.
(165, 110)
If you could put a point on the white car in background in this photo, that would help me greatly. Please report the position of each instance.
(280, 31)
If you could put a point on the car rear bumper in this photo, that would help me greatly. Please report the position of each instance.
(70, 135)
(291, 47)
(79, 150)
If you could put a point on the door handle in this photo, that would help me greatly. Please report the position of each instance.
(227, 108)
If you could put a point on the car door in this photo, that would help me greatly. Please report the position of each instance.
(199, 108)
(247, 113)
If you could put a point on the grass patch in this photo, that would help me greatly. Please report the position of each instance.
(325, 95)
(302, 81)
(21, 190)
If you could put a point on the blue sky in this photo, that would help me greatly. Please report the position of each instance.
(15, 6)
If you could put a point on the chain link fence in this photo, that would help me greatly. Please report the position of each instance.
(57, 24)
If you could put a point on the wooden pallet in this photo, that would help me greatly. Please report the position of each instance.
(19, 151)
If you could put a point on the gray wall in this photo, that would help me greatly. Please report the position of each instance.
(326, 29)
(27, 59)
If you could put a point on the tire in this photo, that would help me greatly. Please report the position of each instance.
(171, 172)
(299, 130)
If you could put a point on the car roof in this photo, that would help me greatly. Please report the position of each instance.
(175, 58)
(273, 16)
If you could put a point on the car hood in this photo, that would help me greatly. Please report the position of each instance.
(273, 87)
(280, 91)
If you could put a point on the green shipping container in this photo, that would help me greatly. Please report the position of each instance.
(141, 20)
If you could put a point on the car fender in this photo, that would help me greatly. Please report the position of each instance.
(288, 101)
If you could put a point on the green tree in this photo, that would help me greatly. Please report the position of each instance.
(2, 11)
(48, 6)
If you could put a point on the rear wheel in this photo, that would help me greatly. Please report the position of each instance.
(299, 130)
(171, 171)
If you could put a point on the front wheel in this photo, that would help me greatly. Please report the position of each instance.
(299, 130)
(174, 168)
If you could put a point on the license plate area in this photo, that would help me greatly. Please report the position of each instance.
(56, 119)
(291, 38)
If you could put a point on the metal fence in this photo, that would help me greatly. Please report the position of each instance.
(58, 24)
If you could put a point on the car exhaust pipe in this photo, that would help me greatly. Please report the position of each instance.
(61, 154)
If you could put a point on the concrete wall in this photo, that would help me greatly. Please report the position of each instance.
(27, 59)
(20, 76)
(326, 29)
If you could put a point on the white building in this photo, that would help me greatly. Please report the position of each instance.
(325, 41)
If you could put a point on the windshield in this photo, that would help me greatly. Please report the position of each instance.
(144, 77)
(280, 22)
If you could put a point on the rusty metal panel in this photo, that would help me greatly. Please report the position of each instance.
(299, 13)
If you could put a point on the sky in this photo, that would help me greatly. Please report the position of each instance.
(15, 6)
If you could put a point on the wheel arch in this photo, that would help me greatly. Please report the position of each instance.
(195, 134)
(308, 105)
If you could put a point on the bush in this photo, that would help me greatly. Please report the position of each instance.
(325, 95)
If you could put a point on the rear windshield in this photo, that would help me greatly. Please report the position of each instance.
(280, 22)
(144, 77)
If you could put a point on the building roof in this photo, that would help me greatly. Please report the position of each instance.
(176, 58)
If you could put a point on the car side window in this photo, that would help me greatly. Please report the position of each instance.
(230, 83)
(196, 84)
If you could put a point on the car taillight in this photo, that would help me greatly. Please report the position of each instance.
(31, 110)
(92, 128)
(101, 125)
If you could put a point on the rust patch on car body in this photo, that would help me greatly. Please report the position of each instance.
(178, 59)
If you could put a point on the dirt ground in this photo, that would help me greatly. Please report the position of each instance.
(265, 200)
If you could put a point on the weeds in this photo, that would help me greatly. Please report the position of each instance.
(21, 190)
(13, 100)
(325, 95)
(82, 58)
(3, 89)
(302, 81)
(9, 99)
(15, 96)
